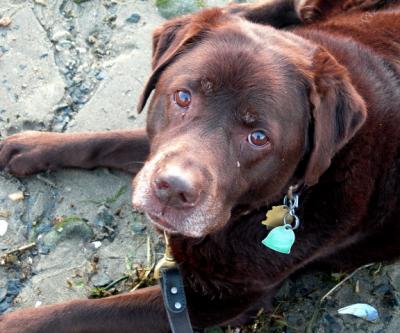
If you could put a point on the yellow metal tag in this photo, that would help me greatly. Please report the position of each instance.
(275, 217)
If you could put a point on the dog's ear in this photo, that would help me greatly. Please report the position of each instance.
(166, 36)
(172, 39)
(338, 112)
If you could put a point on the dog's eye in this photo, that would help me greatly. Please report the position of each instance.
(183, 98)
(258, 138)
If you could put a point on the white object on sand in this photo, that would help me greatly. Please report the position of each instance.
(361, 310)
(3, 227)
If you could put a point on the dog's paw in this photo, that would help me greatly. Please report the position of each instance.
(25, 153)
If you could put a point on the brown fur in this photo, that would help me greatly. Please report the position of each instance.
(327, 92)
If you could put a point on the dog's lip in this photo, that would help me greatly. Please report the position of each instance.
(161, 223)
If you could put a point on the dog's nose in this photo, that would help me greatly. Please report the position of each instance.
(176, 190)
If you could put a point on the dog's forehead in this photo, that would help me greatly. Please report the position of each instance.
(233, 66)
(232, 63)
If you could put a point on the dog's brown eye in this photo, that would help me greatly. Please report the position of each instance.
(183, 98)
(258, 138)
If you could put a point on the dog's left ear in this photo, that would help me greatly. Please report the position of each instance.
(338, 112)
(172, 39)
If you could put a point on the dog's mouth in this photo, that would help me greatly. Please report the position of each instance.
(195, 223)
(161, 224)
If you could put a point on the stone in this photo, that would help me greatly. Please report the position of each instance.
(134, 18)
(13, 287)
(16, 196)
(138, 227)
(104, 217)
(101, 280)
(78, 229)
(4, 306)
(331, 323)
(5, 21)
(393, 272)
(382, 289)
(3, 294)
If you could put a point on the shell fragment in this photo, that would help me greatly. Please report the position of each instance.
(361, 310)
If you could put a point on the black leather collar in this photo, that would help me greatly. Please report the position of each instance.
(174, 300)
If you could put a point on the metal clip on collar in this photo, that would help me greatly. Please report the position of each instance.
(173, 292)
(168, 261)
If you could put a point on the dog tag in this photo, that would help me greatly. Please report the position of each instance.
(275, 217)
(280, 239)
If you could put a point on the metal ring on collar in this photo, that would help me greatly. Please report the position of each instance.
(296, 221)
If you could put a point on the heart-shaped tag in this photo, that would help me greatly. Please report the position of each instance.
(280, 239)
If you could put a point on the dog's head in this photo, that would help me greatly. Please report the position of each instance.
(239, 113)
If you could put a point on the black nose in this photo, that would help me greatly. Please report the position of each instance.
(176, 191)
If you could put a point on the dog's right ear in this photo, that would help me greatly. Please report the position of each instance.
(338, 112)
(172, 39)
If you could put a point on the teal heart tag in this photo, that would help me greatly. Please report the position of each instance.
(280, 239)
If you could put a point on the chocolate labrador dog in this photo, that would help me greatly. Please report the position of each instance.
(241, 113)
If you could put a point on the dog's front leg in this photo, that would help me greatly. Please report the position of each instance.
(139, 312)
(27, 153)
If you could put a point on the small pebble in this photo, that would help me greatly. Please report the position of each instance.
(17, 196)
(3, 294)
(134, 18)
(5, 21)
(100, 76)
(37, 304)
(96, 244)
(100, 280)
(13, 287)
(59, 35)
(44, 250)
(5, 213)
(92, 40)
(41, 2)
(4, 306)
(138, 228)
(104, 217)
